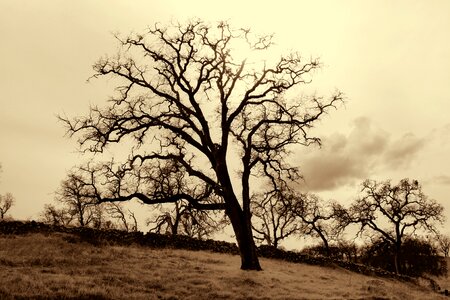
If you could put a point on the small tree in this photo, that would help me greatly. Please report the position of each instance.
(274, 220)
(443, 244)
(315, 217)
(98, 217)
(56, 216)
(6, 202)
(183, 219)
(125, 218)
(394, 212)
(73, 194)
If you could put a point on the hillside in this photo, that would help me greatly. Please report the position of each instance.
(60, 265)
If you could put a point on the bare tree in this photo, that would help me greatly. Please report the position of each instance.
(6, 202)
(443, 244)
(202, 224)
(394, 211)
(183, 219)
(73, 194)
(126, 218)
(185, 98)
(167, 221)
(316, 218)
(98, 218)
(274, 220)
(56, 216)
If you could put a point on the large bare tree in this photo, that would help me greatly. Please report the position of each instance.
(394, 212)
(186, 98)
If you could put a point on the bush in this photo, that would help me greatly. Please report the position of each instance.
(417, 257)
(345, 251)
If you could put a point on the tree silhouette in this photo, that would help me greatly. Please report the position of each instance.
(443, 244)
(126, 218)
(275, 221)
(75, 197)
(316, 218)
(6, 202)
(182, 219)
(184, 98)
(56, 216)
(394, 212)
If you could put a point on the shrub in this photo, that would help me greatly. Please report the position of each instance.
(345, 251)
(417, 257)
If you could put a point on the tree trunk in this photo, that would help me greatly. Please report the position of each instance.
(240, 218)
(243, 230)
(275, 242)
(324, 240)
(397, 257)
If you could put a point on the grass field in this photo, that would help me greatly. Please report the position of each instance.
(37, 266)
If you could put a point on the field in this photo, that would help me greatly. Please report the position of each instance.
(58, 266)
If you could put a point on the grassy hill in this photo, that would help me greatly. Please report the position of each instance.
(62, 266)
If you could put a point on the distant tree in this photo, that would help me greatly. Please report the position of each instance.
(167, 221)
(73, 195)
(6, 202)
(125, 218)
(56, 216)
(182, 219)
(347, 250)
(316, 218)
(273, 220)
(186, 97)
(443, 244)
(99, 218)
(394, 212)
(202, 224)
(418, 257)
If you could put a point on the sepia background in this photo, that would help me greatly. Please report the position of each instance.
(391, 59)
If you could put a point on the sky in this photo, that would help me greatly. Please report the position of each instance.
(391, 59)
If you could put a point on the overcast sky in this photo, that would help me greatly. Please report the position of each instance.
(390, 58)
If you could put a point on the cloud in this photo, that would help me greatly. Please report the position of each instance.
(349, 159)
(441, 179)
(401, 152)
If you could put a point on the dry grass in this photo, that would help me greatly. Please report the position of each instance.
(42, 267)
